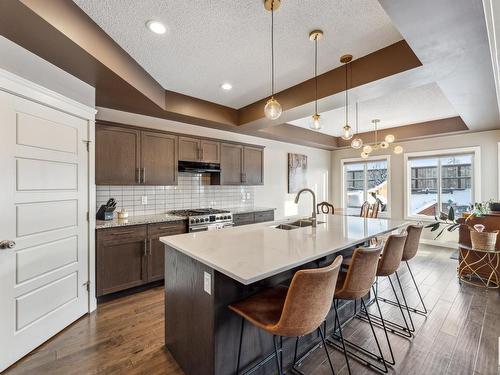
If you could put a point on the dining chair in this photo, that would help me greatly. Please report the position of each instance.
(325, 208)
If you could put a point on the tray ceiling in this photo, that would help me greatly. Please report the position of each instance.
(210, 42)
(410, 106)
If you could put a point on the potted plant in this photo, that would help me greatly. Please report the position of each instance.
(447, 221)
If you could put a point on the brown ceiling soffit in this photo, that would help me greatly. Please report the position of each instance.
(78, 27)
(414, 131)
(385, 62)
(295, 134)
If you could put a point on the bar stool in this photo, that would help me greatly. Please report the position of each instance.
(409, 252)
(387, 266)
(354, 284)
(291, 312)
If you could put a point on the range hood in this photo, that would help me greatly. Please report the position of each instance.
(198, 167)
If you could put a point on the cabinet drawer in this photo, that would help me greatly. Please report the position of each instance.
(122, 234)
(264, 216)
(167, 229)
(243, 219)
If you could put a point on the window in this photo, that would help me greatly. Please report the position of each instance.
(437, 182)
(365, 181)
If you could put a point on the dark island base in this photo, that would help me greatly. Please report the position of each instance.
(203, 335)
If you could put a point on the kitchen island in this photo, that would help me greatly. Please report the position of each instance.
(207, 271)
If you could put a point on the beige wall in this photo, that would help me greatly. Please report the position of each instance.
(274, 192)
(487, 141)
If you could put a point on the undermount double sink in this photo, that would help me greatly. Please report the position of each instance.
(297, 224)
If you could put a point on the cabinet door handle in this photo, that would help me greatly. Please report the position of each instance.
(121, 233)
(201, 150)
(138, 175)
(143, 175)
(145, 247)
(150, 250)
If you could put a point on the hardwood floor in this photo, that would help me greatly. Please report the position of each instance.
(459, 335)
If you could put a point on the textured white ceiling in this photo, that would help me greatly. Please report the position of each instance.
(209, 42)
(410, 106)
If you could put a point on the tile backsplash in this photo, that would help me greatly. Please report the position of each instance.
(192, 191)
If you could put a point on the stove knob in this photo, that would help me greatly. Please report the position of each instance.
(219, 217)
(206, 219)
(197, 220)
(226, 217)
(192, 220)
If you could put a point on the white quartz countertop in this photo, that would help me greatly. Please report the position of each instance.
(254, 252)
(137, 220)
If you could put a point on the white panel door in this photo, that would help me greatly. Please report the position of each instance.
(43, 209)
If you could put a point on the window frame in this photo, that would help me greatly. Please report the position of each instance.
(475, 176)
(387, 159)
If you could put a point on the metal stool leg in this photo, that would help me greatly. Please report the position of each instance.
(278, 362)
(337, 321)
(392, 361)
(376, 340)
(412, 329)
(418, 292)
(326, 350)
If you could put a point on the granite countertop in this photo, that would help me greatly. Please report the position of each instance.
(254, 252)
(240, 210)
(137, 220)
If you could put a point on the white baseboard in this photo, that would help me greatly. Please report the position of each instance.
(450, 245)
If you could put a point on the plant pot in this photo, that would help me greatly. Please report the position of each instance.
(483, 240)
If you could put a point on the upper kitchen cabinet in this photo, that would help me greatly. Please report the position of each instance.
(159, 158)
(193, 149)
(127, 156)
(241, 165)
(117, 155)
(253, 165)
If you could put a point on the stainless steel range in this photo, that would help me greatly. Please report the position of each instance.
(206, 218)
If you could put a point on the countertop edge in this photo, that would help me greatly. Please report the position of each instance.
(276, 271)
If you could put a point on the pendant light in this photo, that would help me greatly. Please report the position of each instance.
(315, 118)
(385, 144)
(346, 134)
(273, 109)
(357, 142)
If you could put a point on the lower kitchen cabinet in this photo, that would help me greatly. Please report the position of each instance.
(253, 217)
(131, 256)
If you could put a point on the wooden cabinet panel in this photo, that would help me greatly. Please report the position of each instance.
(253, 166)
(263, 216)
(231, 164)
(156, 259)
(159, 158)
(121, 259)
(243, 219)
(189, 149)
(210, 151)
(117, 155)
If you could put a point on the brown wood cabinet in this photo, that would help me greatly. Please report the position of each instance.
(127, 156)
(203, 150)
(117, 155)
(131, 256)
(241, 165)
(246, 218)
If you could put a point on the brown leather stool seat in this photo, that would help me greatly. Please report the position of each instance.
(294, 311)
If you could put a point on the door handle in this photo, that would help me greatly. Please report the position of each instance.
(7, 244)
(143, 175)
(145, 247)
(150, 251)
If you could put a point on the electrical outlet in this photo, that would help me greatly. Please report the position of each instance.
(207, 282)
(144, 199)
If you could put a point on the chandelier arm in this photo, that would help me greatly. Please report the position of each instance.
(272, 48)
(316, 74)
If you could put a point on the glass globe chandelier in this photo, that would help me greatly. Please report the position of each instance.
(357, 142)
(346, 130)
(272, 109)
(384, 145)
(315, 118)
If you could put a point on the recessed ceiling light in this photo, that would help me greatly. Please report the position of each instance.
(156, 27)
(226, 86)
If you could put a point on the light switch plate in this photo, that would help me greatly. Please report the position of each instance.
(207, 282)
(144, 199)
